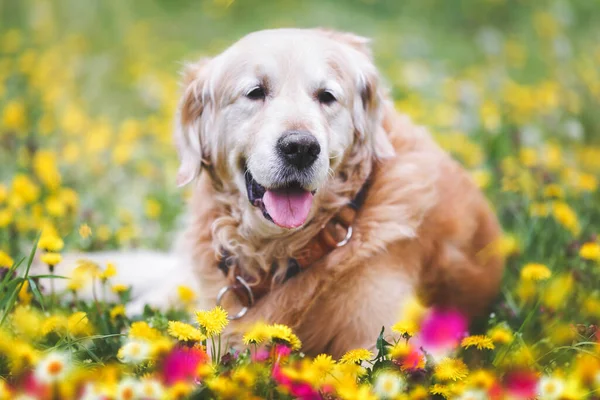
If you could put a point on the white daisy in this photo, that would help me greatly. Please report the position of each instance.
(550, 388)
(52, 368)
(126, 389)
(134, 352)
(150, 389)
(388, 385)
(473, 394)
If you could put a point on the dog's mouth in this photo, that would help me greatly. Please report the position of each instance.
(286, 206)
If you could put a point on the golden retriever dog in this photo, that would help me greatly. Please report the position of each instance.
(315, 204)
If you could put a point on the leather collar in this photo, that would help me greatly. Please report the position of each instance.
(336, 232)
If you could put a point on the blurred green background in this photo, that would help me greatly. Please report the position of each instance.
(88, 90)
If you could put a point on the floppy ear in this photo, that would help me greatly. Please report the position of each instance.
(189, 126)
(368, 110)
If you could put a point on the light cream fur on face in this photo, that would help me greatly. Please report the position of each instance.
(294, 65)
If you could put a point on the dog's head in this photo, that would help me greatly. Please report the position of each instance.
(277, 115)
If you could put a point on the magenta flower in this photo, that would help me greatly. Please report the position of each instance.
(181, 364)
(299, 390)
(442, 330)
(521, 384)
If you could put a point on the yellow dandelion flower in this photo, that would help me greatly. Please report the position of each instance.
(51, 243)
(54, 323)
(109, 272)
(323, 364)
(451, 369)
(51, 258)
(119, 288)
(500, 334)
(406, 328)
(480, 341)
(257, 334)
(184, 332)
(283, 333)
(399, 350)
(5, 260)
(78, 324)
(186, 295)
(25, 295)
(85, 231)
(117, 311)
(141, 330)
(213, 322)
(180, 390)
(554, 191)
(566, 216)
(535, 272)
(445, 391)
(590, 251)
(356, 356)
(481, 379)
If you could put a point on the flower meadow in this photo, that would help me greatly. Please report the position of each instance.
(87, 96)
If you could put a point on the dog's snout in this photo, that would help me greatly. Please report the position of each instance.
(298, 148)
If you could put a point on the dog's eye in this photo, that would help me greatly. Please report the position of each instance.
(325, 97)
(257, 93)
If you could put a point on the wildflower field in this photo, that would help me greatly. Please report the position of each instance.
(87, 95)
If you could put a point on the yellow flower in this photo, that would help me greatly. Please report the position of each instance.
(554, 191)
(85, 231)
(46, 169)
(356, 356)
(323, 364)
(535, 272)
(528, 157)
(5, 260)
(590, 251)
(185, 332)
(565, 215)
(445, 391)
(408, 328)
(186, 295)
(481, 379)
(25, 189)
(14, 116)
(213, 322)
(179, 391)
(450, 369)
(119, 288)
(24, 295)
(27, 321)
(479, 341)
(152, 209)
(51, 258)
(283, 333)
(117, 311)
(51, 243)
(78, 324)
(54, 323)
(587, 182)
(500, 334)
(257, 334)
(109, 272)
(141, 330)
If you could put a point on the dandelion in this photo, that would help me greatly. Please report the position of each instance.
(185, 332)
(590, 251)
(500, 334)
(450, 369)
(52, 259)
(78, 324)
(257, 334)
(141, 330)
(134, 351)
(481, 342)
(213, 322)
(52, 368)
(109, 272)
(356, 356)
(119, 288)
(565, 215)
(445, 391)
(186, 295)
(535, 272)
(388, 385)
(283, 333)
(323, 365)
(5, 260)
(406, 328)
(117, 311)
(51, 243)
(85, 231)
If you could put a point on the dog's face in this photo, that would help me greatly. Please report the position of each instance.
(277, 114)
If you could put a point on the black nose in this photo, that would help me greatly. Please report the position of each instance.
(298, 148)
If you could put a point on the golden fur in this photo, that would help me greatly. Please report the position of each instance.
(423, 229)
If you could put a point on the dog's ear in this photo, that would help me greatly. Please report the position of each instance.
(368, 110)
(189, 125)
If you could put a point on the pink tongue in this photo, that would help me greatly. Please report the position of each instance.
(288, 208)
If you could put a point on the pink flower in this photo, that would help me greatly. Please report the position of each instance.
(442, 330)
(282, 351)
(299, 390)
(521, 384)
(260, 355)
(182, 363)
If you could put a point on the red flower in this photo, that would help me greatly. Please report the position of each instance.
(521, 384)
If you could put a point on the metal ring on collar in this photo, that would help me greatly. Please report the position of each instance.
(227, 288)
(346, 239)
